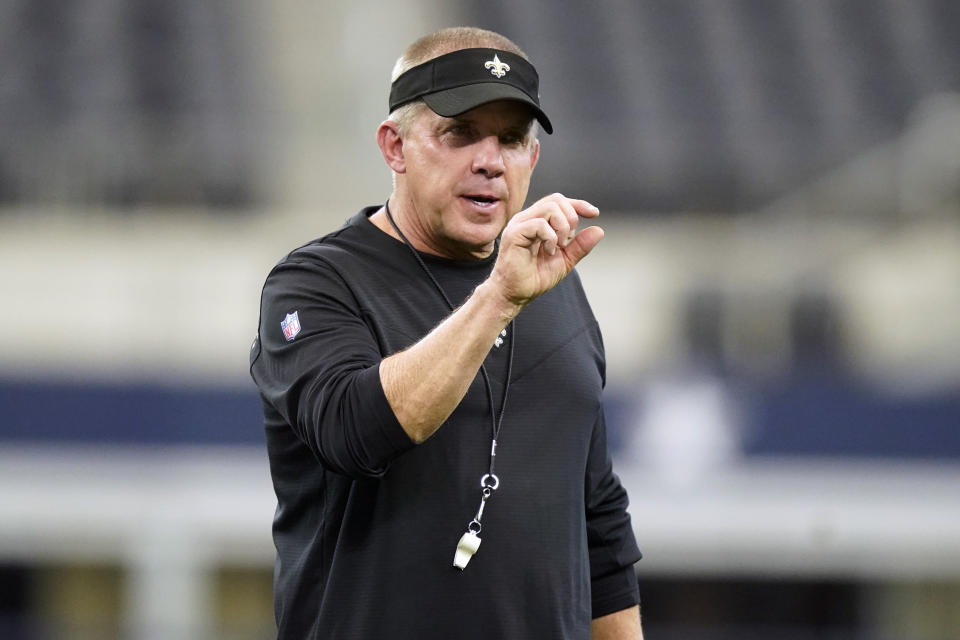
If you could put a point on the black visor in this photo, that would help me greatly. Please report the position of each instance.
(456, 82)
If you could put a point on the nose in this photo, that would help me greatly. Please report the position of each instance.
(488, 157)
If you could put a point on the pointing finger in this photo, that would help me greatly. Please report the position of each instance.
(584, 208)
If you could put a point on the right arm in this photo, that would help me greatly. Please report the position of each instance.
(426, 382)
(357, 410)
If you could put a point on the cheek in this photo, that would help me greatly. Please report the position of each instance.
(443, 169)
(520, 179)
(429, 174)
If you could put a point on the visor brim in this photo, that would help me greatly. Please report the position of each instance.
(453, 102)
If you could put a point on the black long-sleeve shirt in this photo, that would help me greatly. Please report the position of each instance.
(367, 522)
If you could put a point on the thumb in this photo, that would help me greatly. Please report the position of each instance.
(582, 244)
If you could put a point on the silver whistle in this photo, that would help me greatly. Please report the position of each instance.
(468, 545)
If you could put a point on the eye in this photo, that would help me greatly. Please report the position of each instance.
(513, 138)
(460, 130)
(459, 134)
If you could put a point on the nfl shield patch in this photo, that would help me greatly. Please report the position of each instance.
(290, 326)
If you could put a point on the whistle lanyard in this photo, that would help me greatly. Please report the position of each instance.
(489, 483)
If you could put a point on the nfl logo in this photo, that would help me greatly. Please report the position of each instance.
(290, 326)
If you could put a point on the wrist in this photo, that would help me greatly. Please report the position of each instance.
(491, 297)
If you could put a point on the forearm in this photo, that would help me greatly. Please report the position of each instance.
(426, 382)
(620, 625)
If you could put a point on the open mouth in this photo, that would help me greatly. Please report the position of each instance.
(483, 201)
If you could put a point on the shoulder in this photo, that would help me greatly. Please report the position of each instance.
(347, 251)
(351, 235)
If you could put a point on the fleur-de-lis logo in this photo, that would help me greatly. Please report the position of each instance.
(496, 67)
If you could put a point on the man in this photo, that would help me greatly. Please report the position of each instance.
(431, 376)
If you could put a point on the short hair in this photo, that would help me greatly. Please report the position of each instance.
(437, 44)
(452, 39)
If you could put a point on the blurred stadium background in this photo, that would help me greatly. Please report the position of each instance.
(780, 181)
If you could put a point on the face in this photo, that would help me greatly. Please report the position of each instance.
(463, 178)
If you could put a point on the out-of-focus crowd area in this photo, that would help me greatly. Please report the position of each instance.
(779, 291)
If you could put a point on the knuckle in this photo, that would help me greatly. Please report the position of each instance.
(556, 197)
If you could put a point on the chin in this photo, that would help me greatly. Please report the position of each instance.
(485, 231)
(476, 240)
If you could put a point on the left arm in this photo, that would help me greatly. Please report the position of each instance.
(612, 546)
(620, 625)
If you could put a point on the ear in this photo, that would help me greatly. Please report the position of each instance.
(391, 145)
(535, 154)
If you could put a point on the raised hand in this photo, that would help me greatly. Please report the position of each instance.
(540, 245)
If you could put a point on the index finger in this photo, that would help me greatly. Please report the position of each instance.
(569, 207)
(575, 206)
(574, 209)
(583, 208)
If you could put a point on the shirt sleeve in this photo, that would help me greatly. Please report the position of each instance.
(612, 545)
(322, 374)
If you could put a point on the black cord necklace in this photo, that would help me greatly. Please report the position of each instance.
(470, 541)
